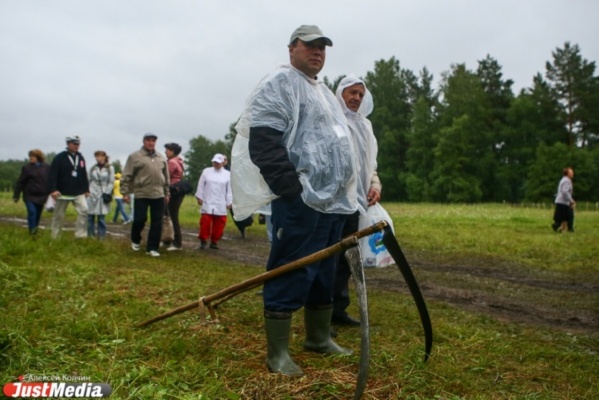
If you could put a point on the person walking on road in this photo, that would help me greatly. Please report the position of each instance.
(33, 184)
(214, 197)
(68, 183)
(146, 177)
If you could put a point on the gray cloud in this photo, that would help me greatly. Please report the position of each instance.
(111, 70)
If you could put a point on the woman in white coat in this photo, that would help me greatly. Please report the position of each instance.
(101, 181)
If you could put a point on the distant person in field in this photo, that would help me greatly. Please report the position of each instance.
(120, 204)
(214, 197)
(176, 170)
(563, 218)
(33, 184)
(357, 104)
(101, 182)
(68, 183)
(146, 177)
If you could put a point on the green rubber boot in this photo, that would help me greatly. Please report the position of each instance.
(277, 339)
(318, 332)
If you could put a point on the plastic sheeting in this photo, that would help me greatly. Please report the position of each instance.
(318, 144)
(363, 137)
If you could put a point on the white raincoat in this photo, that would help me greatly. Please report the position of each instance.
(363, 137)
(315, 134)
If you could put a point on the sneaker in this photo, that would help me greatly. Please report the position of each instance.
(202, 245)
(173, 248)
(213, 246)
(153, 253)
(135, 246)
(127, 222)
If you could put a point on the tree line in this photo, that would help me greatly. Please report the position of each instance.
(471, 139)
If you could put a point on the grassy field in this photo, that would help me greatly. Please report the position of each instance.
(69, 308)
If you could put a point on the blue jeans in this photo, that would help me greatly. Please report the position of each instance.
(120, 210)
(91, 228)
(34, 213)
(299, 231)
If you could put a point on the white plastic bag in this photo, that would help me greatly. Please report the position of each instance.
(50, 202)
(374, 252)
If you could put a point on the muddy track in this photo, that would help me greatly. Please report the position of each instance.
(503, 291)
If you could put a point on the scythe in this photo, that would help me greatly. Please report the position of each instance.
(355, 262)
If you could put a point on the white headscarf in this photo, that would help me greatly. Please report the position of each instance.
(365, 144)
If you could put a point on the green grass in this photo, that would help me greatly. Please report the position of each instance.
(453, 233)
(69, 307)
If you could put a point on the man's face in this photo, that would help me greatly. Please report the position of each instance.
(353, 96)
(72, 147)
(308, 57)
(150, 143)
(570, 173)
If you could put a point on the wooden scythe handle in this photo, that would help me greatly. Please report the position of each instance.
(256, 281)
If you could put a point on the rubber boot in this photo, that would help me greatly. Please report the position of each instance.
(277, 339)
(318, 332)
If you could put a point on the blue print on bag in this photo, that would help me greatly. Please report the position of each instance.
(375, 241)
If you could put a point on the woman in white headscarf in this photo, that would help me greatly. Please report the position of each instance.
(356, 102)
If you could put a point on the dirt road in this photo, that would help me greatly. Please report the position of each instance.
(502, 290)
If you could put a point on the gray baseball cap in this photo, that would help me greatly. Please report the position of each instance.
(308, 33)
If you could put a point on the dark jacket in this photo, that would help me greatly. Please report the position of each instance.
(270, 155)
(61, 176)
(33, 183)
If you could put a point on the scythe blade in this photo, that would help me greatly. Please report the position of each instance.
(354, 259)
(394, 249)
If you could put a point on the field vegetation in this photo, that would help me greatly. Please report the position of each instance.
(69, 308)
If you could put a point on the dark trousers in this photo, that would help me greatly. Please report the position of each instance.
(298, 232)
(343, 272)
(571, 219)
(241, 225)
(174, 205)
(140, 216)
(34, 213)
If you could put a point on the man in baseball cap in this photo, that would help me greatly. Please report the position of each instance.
(312, 187)
(73, 139)
(68, 184)
(146, 177)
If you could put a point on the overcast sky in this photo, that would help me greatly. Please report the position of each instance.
(111, 70)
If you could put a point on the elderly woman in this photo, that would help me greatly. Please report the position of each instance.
(101, 182)
(33, 183)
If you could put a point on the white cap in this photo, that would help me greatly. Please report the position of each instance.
(218, 158)
(75, 139)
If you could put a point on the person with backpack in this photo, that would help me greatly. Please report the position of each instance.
(176, 171)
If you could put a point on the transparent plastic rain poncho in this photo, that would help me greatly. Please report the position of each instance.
(317, 142)
(364, 141)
